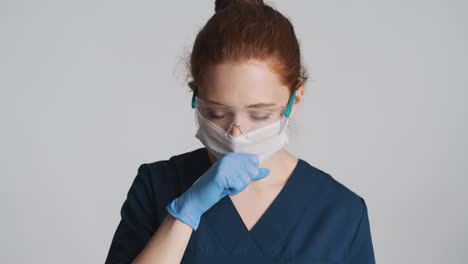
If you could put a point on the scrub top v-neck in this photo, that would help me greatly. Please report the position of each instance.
(313, 219)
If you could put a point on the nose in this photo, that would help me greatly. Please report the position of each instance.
(235, 130)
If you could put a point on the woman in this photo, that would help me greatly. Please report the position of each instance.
(243, 197)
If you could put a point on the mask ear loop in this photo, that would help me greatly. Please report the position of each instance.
(196, 118)
(194, 106)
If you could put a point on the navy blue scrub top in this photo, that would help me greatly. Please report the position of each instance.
(314, 219)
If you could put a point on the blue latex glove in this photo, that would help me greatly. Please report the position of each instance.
(229, 175)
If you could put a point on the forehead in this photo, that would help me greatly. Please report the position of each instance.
(242, 84)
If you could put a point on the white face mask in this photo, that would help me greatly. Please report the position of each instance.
(266, 140)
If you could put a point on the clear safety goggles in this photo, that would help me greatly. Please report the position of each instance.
(245, 118)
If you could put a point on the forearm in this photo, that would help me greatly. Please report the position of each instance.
(168, 243)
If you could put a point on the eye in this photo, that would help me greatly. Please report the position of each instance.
(214, 116)
(213, 112)
(261, 117)
(217, 113)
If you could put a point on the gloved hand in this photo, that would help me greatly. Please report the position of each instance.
(231, 174)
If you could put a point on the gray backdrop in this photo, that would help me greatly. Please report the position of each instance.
(92, 89)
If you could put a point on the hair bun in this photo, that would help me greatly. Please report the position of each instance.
(221, 4)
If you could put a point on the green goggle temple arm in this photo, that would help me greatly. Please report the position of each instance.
(194, 102)
(287, 112)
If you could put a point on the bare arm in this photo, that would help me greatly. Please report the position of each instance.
(168, 243)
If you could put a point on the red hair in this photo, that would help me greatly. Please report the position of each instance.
(241, 30)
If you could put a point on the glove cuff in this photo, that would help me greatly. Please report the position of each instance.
(183, 215)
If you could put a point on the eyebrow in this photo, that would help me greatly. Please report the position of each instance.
(257, 105)
(260, 105)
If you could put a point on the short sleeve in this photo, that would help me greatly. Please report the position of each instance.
(138, 221)
(360, 250)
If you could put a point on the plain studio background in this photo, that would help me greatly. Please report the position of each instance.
(92, 89)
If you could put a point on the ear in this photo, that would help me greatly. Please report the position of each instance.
(298, 100)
